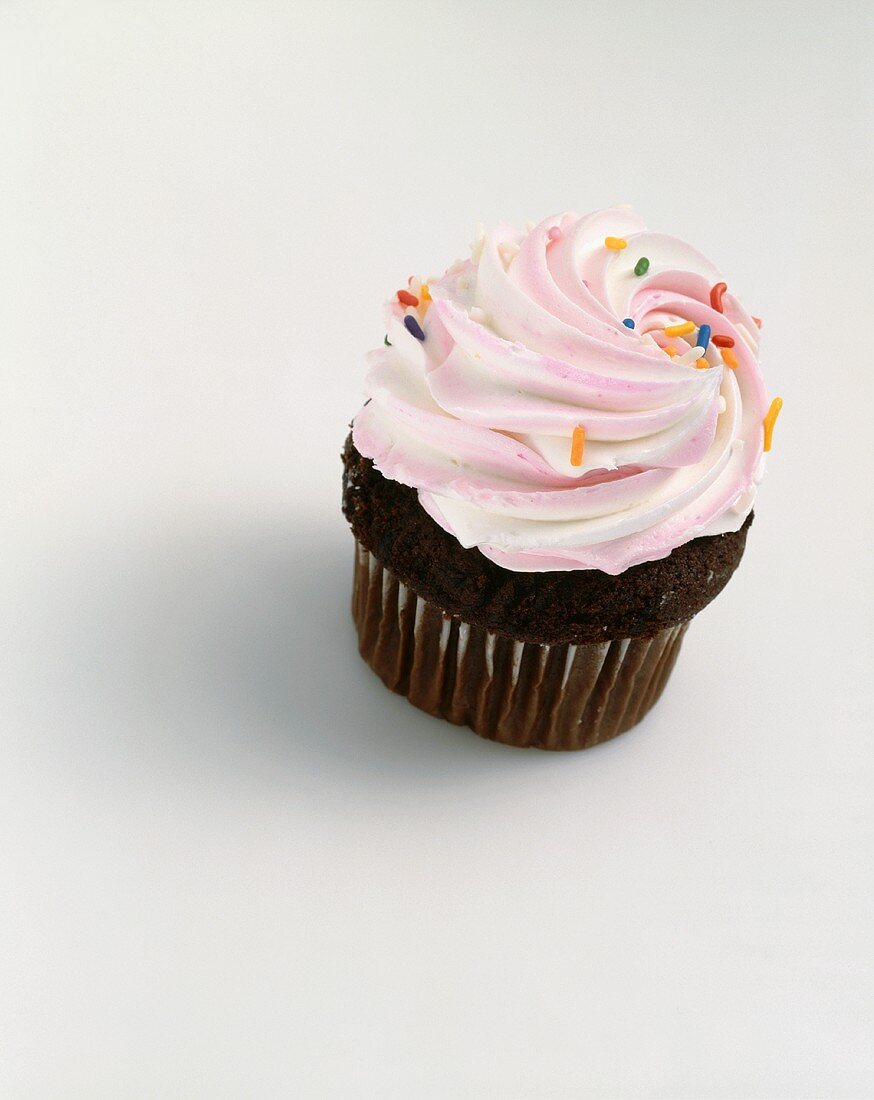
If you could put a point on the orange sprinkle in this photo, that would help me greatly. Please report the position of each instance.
(771, 419)
(615, 243)
(702, 363)
(729, 358)
(671, 350)
(758, 321)
(680, 330)
(578, 445)
(424, 293)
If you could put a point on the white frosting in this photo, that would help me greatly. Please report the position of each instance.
(524, 343)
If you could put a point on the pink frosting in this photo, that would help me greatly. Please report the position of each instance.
(524, 342)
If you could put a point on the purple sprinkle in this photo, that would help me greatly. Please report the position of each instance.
(413, 327)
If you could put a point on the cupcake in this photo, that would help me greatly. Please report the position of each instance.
(553, 473)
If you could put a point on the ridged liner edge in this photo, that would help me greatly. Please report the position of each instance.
(556, 697)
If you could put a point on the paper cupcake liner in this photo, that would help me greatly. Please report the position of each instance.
(558, 697)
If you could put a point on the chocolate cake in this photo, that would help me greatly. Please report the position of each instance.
(576, 606)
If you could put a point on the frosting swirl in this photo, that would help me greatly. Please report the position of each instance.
(517, 354)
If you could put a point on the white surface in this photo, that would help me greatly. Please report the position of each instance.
(233, 865)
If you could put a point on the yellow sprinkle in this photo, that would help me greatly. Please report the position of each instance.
(729, 358)
(578, 445)
(424, 293)
(771, 419)
(616, 243)
(671, 350)
(680, 330)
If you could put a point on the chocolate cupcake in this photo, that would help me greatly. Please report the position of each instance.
(553, 473)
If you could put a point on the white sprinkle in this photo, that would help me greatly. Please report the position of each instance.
(721, 405)
(691, 356)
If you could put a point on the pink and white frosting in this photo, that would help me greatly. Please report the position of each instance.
(524, 342)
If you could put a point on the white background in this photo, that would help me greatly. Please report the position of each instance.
(233, 865)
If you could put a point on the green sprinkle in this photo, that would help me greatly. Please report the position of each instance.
(642, 266)
(387, 341)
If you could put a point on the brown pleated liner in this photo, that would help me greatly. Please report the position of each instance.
(558, 697)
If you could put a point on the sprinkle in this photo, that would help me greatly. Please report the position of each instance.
(578, 445)
(771, 419)
(642, 266)
(407, 299)
(729, 358)
(680, 330)
(671, 350)
(615, 244)
(722, 341)
(627, 321)
(688, 358)
(702, 363)
(413, 327)
(716, 293)
(554, 233)
(424, 293)
(387, 341)
(703, 336)
(758, 321)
